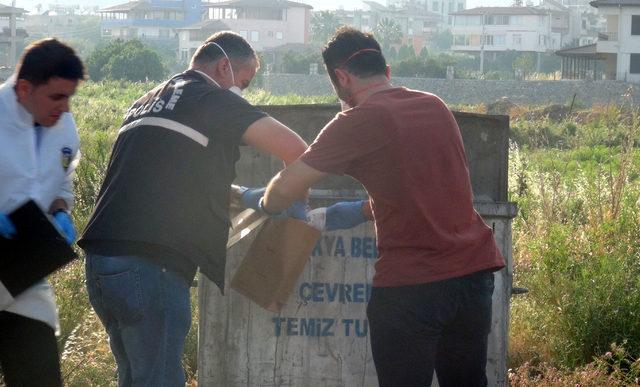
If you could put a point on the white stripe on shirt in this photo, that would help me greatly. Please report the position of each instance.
(170, 125)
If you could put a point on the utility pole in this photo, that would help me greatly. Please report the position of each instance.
(482, 39)
(12, 42)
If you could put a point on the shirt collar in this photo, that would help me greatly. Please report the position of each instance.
(207, 77)
(14, 108)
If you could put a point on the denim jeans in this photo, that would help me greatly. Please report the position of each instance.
(442, 325)
(146, 312)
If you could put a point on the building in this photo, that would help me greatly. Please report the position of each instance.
(444, 8)
(157, 20)
(64, 22)
(265, 24)
(499, 29)
(12, 33)
(616, 54)
(416, 23)
(620, 42)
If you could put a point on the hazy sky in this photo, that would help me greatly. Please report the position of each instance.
(317, 4)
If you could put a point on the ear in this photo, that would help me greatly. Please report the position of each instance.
(343, 77)
(222, 65)
(23, 88)
(387, 72)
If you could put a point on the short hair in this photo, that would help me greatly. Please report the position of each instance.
(356, 51)
(233, 44)
(49, 58)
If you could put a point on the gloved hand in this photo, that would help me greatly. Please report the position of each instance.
(344, 215)
(7, 229)
(297, 210)
(252, 198)
(339, 216)
(64, 222)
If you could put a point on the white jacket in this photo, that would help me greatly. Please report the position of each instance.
(38, 174)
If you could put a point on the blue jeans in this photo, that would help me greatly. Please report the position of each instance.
(146, 312)
(441, 325)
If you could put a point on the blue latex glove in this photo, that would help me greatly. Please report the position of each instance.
(297, 210)
(251, 197)
(65, 223)
(7, 229)
(344, 215)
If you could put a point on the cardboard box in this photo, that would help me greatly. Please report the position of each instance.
(274, 262)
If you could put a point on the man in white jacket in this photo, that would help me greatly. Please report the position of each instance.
(39, 149)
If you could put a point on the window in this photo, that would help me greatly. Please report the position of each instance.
(458, 40)
(473, 40)
(279, 35)
(460, 6)
(634, 65)
(255, 36)
(542, 40)
(270, 34)
(244, 34)
(635, 24)
(488, 40)
(499, 40)
(436, 6)
(517, 39)
(498, 20)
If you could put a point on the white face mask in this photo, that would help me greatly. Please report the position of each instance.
(234, 89)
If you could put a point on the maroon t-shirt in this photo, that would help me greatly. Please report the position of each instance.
(405, 147)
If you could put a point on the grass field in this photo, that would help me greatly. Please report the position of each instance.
(574, 176)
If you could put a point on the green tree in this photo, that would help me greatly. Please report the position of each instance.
(525, 62)
(442, 40)
(406, 52)
(130, 60)
(298, 63)
(388, 33)
(323, 25)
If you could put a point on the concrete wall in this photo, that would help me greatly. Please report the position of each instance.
(473, 91)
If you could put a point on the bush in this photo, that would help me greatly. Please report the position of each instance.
(128, 60)
(576, 250)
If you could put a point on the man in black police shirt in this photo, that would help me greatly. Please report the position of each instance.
(162, 210)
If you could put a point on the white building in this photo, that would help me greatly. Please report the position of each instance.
(498, 29)
(155, 20)
(444, 8)
(620, 43)
(264, 23)
(416, 23)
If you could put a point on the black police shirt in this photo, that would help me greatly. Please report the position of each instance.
(165, 196)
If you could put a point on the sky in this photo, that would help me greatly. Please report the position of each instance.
(317, 4)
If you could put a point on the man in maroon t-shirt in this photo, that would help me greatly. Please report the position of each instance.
(431, 302)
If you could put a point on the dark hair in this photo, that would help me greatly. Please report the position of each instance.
(356, 51)
(49, 58)
(233, 44)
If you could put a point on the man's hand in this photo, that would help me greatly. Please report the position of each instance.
(345, 215)
(253, 198)
(63, 220)
(339, 216)
(7, 229)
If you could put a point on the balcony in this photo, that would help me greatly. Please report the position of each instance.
(608, 36)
